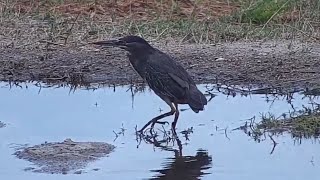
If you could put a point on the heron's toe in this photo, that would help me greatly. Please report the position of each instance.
(162, 122)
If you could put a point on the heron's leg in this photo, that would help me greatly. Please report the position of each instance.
(154, 120)
(176, 116)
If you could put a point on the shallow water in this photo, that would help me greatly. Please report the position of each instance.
(55, 114)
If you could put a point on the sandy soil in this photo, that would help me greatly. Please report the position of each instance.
(271, 63)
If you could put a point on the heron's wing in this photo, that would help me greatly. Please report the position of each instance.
(167, 63)
(178, 80)
(166, 76)
(162, 83)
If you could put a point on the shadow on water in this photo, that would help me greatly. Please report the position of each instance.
(301, 122)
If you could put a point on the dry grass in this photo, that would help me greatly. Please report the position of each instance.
(116, 10)
(37, 24)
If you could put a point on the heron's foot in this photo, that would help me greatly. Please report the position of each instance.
(152, 126)
(140, 132)
(158, 122)
(162, 122)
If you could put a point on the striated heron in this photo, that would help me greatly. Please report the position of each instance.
(165, 76)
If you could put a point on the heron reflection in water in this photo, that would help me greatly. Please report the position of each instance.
(180, 167)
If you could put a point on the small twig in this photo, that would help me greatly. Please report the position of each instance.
(158, 37)
(274, 144)
(116, 136)
(69, 30)
(312, 161)
(225, 133)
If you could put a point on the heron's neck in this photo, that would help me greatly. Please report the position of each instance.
(139, 59)
(140, 54)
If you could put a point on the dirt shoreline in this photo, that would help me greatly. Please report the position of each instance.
(282, 64)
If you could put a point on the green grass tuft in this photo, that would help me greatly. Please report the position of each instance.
(263, 10)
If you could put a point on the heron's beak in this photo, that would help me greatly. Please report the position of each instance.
(116, 43)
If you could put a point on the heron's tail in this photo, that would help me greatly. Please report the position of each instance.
(196, 99)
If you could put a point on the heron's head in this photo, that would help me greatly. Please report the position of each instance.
(133, 44)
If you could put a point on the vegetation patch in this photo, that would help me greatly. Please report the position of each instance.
(300, 124)
(264, 10)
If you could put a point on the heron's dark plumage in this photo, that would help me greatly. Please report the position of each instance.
(168, 78)
(165, 76)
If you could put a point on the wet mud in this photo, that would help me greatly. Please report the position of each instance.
(63, 157)
(275, 64)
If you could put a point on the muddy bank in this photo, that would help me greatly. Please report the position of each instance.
(63, 157)
(270, 63)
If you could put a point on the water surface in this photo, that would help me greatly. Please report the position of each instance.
(213, 150)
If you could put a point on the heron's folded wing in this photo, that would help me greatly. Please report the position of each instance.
(161, 82)
(181, 82)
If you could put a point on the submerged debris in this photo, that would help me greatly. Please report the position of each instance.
(63, 157)
(2, 124)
